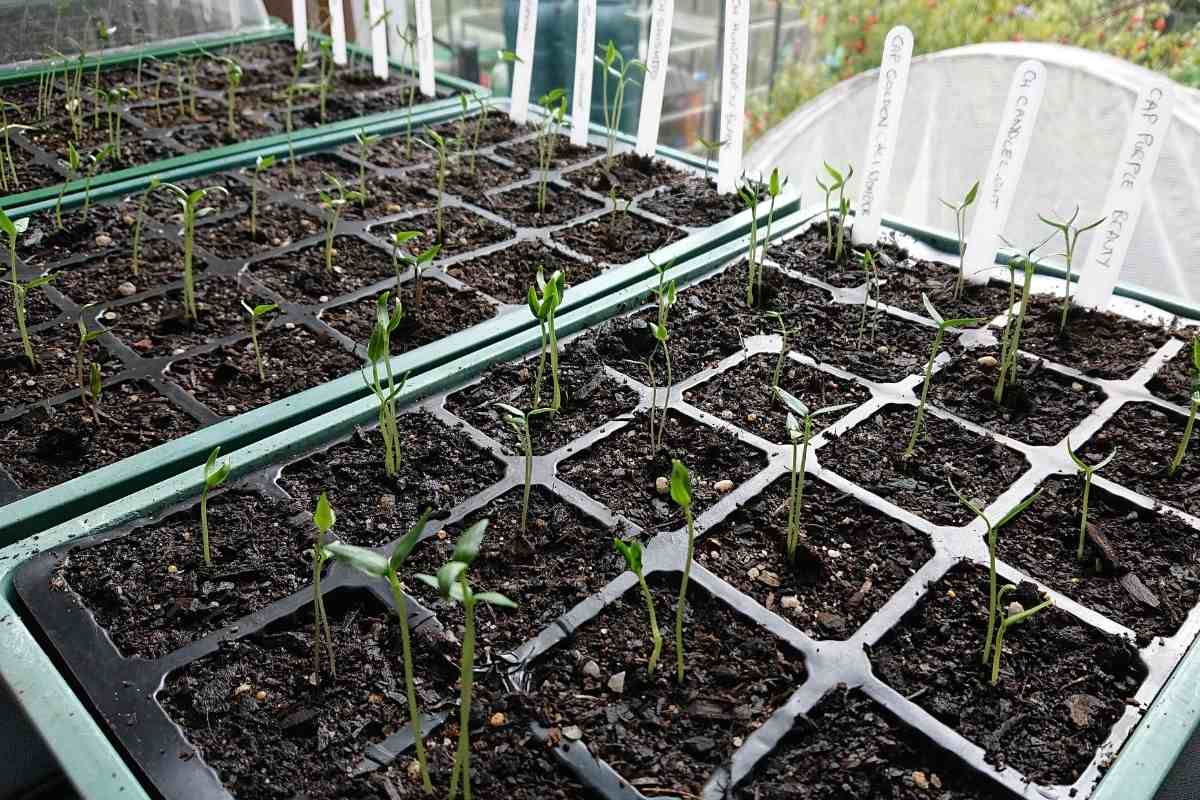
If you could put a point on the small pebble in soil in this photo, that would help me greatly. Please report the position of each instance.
(951, 594)
(662, 485)
(1076, 387)
(393, 208)
(919, 780)
(126, 289)
(987, 362)
(110, 315)
(723, 486)
(172, 569)
(103, 240)
(572, 732)
(496, 720)
(128, 219)
(789, 601)
(1014, 608)
(616, 684)
(387, 502)
(441, 535)
(242, 689)
(260, 695)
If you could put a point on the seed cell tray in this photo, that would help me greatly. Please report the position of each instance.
(876, 626)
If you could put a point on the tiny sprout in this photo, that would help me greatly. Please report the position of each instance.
(214, 476)
(376, 565)
(1088, 472)
(293, 90)
(1194, 407)
(960, 227)
(520, 422)
(74, 167)
(325, 76)
(665, 295)
(613, 62)
(1014, 325)
(750, 194)
(261, 165)
(480, 121)
(632, 551)
(334, 204)
(1071, 236)
(681, 493)
(12, 229)
(1014, 614)
(189, 202)
(94, 160)
(451, 583)
(872, 273)
(419, 264)
(82, 372)
(233, 79)
(365, 142)
(439, 148)
(774, 188)
(837, 184)
(408, 55)
(942, 326)
(323, 519)
(711, 148)
(777, 373)
(555, 103)
(137, 224)
(544, 300)
(386, 393)
(800, 436)
(256, 313)
(6, 157)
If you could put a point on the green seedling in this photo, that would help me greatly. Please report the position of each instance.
(388, 568)
(214, 476)
(86, 377)
(872, 273)
(837, 183)
(1193, 408)
(1070, 236)
(324, 519)
(20, 301)
(94, 160)
(261, 165)
(189, 203)
(439, 149)
(613, 62)
(544, 300)
(681, 493)
(103, 33)
(325, 77)
(451, 583)
(1014, 614)
(943, 325)
(521, 423)
(774, 188)
(632, 551)
(137, 223)
(464, 108)
(334, 202)
(13, 229)
(666, 294)
(192, 82)
(960, 228)
(800, 435)
(1010, 359)
(295, 89)
(711, 149)
(749, 193)
(1088, 472)
(233, 80)
(419, 264)
(555, 103)
(365, 142)
(256, 313)
(409, 39)
(480, 122)
(382, 380)
(7, 128)
(776, 374)
(74, 166)
(112, 100)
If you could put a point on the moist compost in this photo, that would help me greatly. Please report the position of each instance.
(1146, 438)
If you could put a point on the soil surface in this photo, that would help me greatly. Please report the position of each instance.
(1177, 379)
(871, 453)
(525, 153)
(809, 253)
(1147, 438)
(38, 308)
(300, 276)
(55, 349)
(385, 196)
(442, 311)
(159, 325)
(507, 274)
(101, 229)
(1062, 684)
(470, 186)
(462, 232)
(850, 559)
(617, 237)
(628, 176)
(103, 278)
(308, 173)
(275, 226)
(520, 206)
(693, 202)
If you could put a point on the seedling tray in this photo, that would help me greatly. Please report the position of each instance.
(192, 374)
(815, 664)
(158, 143)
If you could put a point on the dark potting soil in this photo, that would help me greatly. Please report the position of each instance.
(294, 358)
(395, 152)
(55, 348)
(563, 558)
(628, 176)
(164, 206)
(693, 202)
(850, 559)
(159, 325)
(137, 147)
(255, 717)
(38, 308)
(904, 280)
(889, 350)
(386, 196)
(462, 231)
(621, 470)
(697, 341)
(30, 175)
(104, 278)
(152, 592)
(300, 276)
(1146, 439)
(1159, 550)
(311, 172)
(439, 469)
(442, 311)
(44, 242)
(275, 226)
(249, 124)
(525, 153)
(1062, 684)
(849, 746)
(617, 237)
(1040, 410)
(742, 395)
(590, 398)
(1098, 344)
(49, 450)
(666, 737)
(809, 253)
(1176, 380)
(470, 186)
(871, 454)
(173, 115)
(520, 205)
(507, 274)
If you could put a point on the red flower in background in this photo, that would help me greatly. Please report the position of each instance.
(1160, 24)
(860, 45)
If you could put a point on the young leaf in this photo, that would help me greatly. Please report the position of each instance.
(407, 542)
(215, 477)
(1020, 507)
(632, 551)
(447, 577)
(970, 198)
(494, 599)
(324, 517)
(681, 484)
(466, 549)
(792, 402)
(933, 312)
(361, 558)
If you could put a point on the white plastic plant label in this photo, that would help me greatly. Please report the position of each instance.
(523, 69)
(337, 31)
(378, 24)
(998, 188)
(1131, 178)
(397, 29)
(424, 10)
(658, 49)
(733, 93)
(585, 69)
(881, 138)
(299, 24)
(235, 15)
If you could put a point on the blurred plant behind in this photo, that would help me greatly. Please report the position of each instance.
(847, 38)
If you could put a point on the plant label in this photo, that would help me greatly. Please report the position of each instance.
(299, 25)
(881, 138)
(1131, 178)
(235, 15)
(378, 25)
(337, 31)
(733, 93)
(585, 69)
(425, 47)
(658, 49)
(523, 69)
(999, 186)
(397, 28)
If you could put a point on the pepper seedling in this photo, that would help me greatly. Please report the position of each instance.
(661, 335)
(1014, 614)
(103, 33)
(681, 493)
(87, 378)
(323, 520)
(480, 122)
(960, 227)
(521, 423)
(800, 435)
(452, 584)
(613, 62)
(1088, 472)
(837, 183)
(774, 189)
(94, 160)
(261, 165)
(544, 300)
(13, 229)
(233, 79)
(386, 392)
(439, 149)
(334, 203)
(1014, 326)
(291, 92)
(1070, 236)
(632, 551)
(777, 373)
(872, 273)
(555, 103)
(6, 127)
(365, 142)
(711, 149)
(256, 313)
(1194, 407)
(74, 167)
(409, 39)
(992, 530)
(943, 325)
(419, 264)
(378, 566)
(325, 76)
(749, 193)
(214, 476)
(189, 202)
(137, 224)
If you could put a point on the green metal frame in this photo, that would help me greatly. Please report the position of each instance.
(189, 164)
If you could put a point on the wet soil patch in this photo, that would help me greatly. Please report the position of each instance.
(44, 242)
(301, 277)
(507, 274)
(1062, 684)
(103, 278)
(1176, 380)
(470, 186)
(55, 348)
(693, 202)
(628, 176)
(617, 237)
(160, 326)
(525, 153)
(275, 226)
(520, 206)
(442, 311)
(462, 232)
(1147, 439)
(809, 254)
